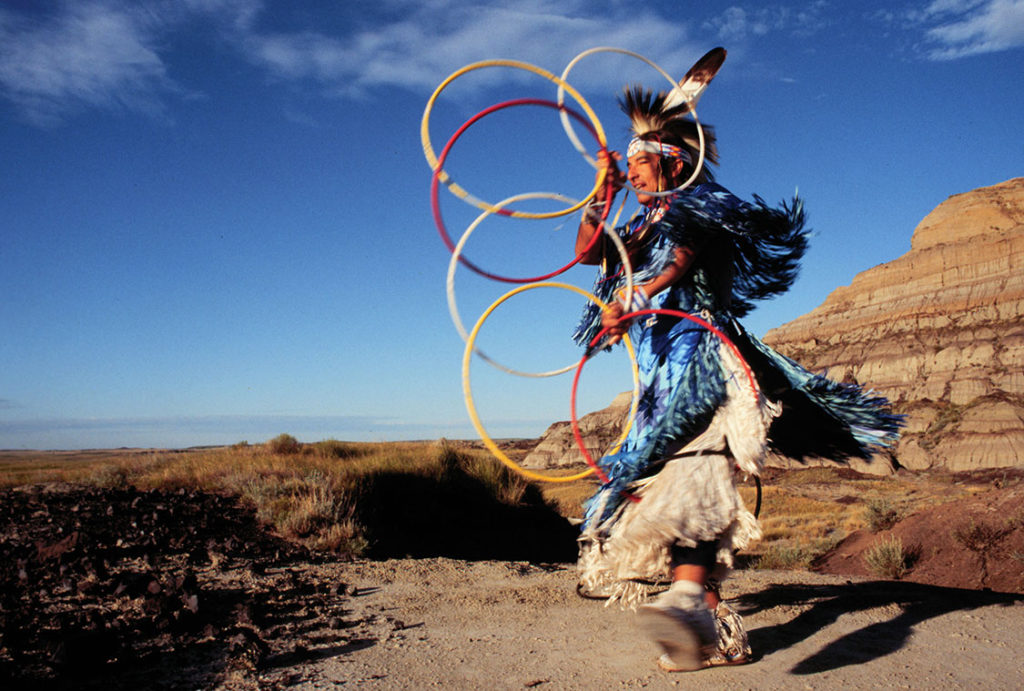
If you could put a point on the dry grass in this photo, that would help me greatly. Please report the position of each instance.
(569, 496)
(308, 492)
(28, 467)
(887, 558)
(807, 512)
(312, 492)
(880, 514)
(983, 537)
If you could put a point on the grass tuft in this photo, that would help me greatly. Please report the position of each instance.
(880, 514)
(332, 448)
(284, 444)
(785, 556)
(980, 537)
(887, 558)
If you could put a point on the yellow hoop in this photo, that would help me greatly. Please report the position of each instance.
(432, 160)
(471, 408)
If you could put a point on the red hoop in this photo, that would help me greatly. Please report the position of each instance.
(435, 204)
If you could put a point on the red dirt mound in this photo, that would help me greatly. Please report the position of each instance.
(975, 543)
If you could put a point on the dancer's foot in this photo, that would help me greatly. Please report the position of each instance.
(681, 624)
(733, 647)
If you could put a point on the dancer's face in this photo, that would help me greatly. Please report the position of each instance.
(645, 175)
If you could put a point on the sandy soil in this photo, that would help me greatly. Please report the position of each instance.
(453, 624)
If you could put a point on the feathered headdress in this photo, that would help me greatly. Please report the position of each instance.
(662, 117)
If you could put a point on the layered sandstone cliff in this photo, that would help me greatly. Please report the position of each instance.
(940, 331)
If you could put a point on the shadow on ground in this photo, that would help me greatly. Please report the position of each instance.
(822, 605)
(459, 517)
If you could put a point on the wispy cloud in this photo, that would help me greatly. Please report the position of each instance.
(433, 39)
(737, 23)
(85, 55)
(960, 28)
(118, 55)
(114, 54)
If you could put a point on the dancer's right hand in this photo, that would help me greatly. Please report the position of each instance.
(615, 178)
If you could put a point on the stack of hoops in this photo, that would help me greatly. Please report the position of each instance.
(589, 121)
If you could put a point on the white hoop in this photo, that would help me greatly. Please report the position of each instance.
(578, 145)
(454, 262)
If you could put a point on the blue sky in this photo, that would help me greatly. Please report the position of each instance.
(215, 221)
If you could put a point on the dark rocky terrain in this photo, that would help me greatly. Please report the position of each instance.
(120, 588)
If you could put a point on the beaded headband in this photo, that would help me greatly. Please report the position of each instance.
(653, 147)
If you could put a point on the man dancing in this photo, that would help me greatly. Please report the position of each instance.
(670, 507)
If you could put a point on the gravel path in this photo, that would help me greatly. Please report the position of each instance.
(417, 624)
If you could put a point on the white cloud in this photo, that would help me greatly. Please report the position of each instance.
(733, 24)
(738, 23)
(117, 54)
(952, 6)
(974, 27)
(91, 54)
(434, 39)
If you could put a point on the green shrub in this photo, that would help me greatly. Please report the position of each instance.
(332, 448)
(779, 556)
(114, 476)
(979, 537)
(880, 514)
(888, 559)
(284, 444)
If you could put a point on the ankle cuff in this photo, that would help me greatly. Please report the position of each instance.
(687, 588)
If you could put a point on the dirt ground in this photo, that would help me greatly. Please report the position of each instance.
(112, 589)
(448, 624)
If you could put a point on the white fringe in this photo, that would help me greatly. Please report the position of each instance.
(693, 498)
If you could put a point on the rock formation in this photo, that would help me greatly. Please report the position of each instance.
(600, 430)
(939, 331)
